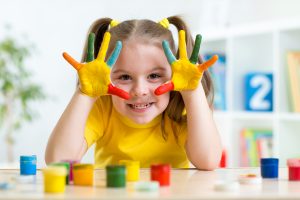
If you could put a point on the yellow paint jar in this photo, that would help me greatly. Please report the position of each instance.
(54, 179)
(132, 169)
(83, 174)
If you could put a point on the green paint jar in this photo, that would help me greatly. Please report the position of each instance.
(116, 176)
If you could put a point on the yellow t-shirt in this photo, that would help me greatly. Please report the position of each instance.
(118, 138)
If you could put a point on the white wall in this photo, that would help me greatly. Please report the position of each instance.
(56, 26)
(61, 25)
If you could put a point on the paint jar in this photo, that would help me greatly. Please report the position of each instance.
(294, 169)
(116, 176)
(63, 164)
(269, 167)
(54, 179)
(132, 169)
(71, 162)
(83, 174)
(161, 173)
(28, 165)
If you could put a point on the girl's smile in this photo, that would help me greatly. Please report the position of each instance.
(140, 107)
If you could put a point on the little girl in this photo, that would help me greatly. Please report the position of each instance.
(150, 106)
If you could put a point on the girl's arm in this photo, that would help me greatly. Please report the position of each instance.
(67, 139)
(203, 144)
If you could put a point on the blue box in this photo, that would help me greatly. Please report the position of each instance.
(259, 91)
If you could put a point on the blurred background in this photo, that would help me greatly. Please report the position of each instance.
(252, 38)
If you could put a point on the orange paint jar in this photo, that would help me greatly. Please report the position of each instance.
(83, 174)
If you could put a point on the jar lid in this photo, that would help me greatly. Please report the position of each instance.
(146, 186)
(269, 161)
(55, 170)
(249, 179)
(28, 158)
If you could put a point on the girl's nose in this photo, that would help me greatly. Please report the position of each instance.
(140, 89)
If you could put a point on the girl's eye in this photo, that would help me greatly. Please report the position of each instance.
(154, 76)
(124, 77)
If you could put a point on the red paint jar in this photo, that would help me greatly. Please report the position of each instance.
(161, 173)
(294, 169)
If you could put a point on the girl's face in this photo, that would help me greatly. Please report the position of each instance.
(139, 70)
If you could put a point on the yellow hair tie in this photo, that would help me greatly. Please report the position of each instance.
(165, 23)
(114, 23)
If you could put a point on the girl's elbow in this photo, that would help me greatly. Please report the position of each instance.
(48, 161)
(207, 166)
(208, 163)
(51, 156)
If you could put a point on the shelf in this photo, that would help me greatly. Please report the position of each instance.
(259, 47)
(243, 115)
(290, 117)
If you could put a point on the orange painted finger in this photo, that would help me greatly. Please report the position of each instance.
(204, 66)
(72, 61)
(104, 47)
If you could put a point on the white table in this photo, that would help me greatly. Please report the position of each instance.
(185, 184)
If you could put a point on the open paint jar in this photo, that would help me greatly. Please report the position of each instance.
(294, 169)
(269, 167)
(28, 165)
(132, 169)
(161, 173)
(83, 174)
(115, 176)
(55, 179)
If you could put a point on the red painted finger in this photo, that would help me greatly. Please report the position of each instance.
(118, 92)
(164, 88)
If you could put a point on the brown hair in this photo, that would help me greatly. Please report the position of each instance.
(154, 33)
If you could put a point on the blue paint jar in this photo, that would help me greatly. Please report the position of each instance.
(269, 167)
(28, 165)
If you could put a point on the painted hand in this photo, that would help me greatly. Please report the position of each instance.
(94, 75)
(186, 73)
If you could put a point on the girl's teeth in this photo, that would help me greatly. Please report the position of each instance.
(140, 106)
